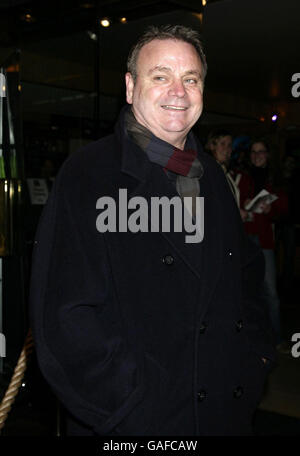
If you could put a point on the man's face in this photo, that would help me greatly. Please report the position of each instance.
(222, 149)
(259, 155)
(167, 95)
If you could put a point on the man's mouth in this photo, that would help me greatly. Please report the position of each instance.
(174, 108)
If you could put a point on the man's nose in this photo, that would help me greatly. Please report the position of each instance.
(177, 89)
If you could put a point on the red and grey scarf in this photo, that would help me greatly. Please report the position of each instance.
(182, 167)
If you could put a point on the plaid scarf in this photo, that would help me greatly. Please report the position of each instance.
(182, 167)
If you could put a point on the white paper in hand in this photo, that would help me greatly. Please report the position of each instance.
(256, 204)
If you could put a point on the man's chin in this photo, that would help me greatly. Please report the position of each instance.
(175, 128)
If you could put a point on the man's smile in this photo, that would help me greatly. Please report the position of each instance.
(174, 108)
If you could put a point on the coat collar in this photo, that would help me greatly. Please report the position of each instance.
(134, 161)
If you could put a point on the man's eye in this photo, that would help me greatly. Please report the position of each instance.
(191, 81)
(159, 78)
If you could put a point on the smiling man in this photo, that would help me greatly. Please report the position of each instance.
(166, 95)
(143, 333)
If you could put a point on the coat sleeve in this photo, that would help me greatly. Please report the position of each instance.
(80, 345)
(258, 323)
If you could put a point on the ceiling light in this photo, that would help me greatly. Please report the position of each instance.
(204, 2)
(123, 20)
(274, 118)
(27, 17)
(105, 22)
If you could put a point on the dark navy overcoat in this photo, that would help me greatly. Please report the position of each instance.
(143, 333)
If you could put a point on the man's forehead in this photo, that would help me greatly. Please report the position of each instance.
(167, 69)
(161, 54)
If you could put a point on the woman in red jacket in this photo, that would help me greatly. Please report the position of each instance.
(261, 226)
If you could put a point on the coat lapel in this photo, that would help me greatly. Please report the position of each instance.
(212, 244)
(203, 259)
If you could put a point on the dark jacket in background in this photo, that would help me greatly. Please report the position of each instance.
(262, 224)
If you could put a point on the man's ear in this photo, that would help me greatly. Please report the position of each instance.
(129, 87)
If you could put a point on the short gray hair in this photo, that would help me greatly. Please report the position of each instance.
(166, 32)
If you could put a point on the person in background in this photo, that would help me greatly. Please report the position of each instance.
(219, 145)
(260, 226)
(240, 148)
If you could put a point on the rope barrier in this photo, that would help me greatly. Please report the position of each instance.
(16, 379)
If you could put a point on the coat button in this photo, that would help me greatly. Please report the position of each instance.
(239, 325)
(168, 260)
(230, 254)
(202, 328)
(201, 395)
(238, 392)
